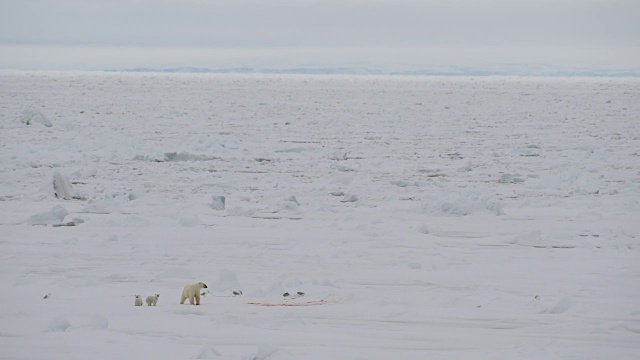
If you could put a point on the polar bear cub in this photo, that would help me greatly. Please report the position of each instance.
(152, 299)
(138, 301)
(192, 292)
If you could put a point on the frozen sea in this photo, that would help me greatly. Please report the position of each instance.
(433, 217)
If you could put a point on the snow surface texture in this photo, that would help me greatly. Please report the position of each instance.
(452, 218)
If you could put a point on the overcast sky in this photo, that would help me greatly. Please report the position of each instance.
(608, 30)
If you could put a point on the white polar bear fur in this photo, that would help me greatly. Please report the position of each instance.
(138, 300)
(192, 292)
(152, 299)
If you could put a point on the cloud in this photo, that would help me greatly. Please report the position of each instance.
(567, 31)
(313, 22)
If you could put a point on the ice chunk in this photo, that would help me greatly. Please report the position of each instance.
(62, 187)
(423, 228)
(217, 202)
(461, 203)
(59, 324)
(207, 352)
(264, 352)
(55, 215)
(189, 220)
(34, 116)
(561, 306)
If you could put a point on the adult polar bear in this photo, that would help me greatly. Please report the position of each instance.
(192, 292)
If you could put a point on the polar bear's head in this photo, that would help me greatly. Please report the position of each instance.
(202, 285)
(137, 296)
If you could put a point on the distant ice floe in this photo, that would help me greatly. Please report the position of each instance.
(242, 210)
(574, 182)
(273, 208)
(536, 239)
(108, 205)
(300, 149)
(288, 205)
(32, 116)
(175, 156)
(348, 198)
(402, 183)
(460, 203)
(510, 179)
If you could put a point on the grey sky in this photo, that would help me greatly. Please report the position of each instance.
(305, 22)
(591, 26)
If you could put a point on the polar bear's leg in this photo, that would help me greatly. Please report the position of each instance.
(184, 297)
(198, 297)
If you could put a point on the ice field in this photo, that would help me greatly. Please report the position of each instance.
(432, 217)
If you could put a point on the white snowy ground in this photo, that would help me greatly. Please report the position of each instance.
(449, 218)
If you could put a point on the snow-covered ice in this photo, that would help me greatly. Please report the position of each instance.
(444, 217)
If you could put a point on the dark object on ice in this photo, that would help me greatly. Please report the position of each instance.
(285, 294)
(47, 296)
(70, 223)
(301, 293)
(237, 292)
(537, 297)
(203, 293)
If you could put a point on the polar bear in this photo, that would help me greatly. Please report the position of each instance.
(192, 292)
(152, 299)
(138, 300)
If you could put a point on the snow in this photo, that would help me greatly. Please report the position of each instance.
(442, 217)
